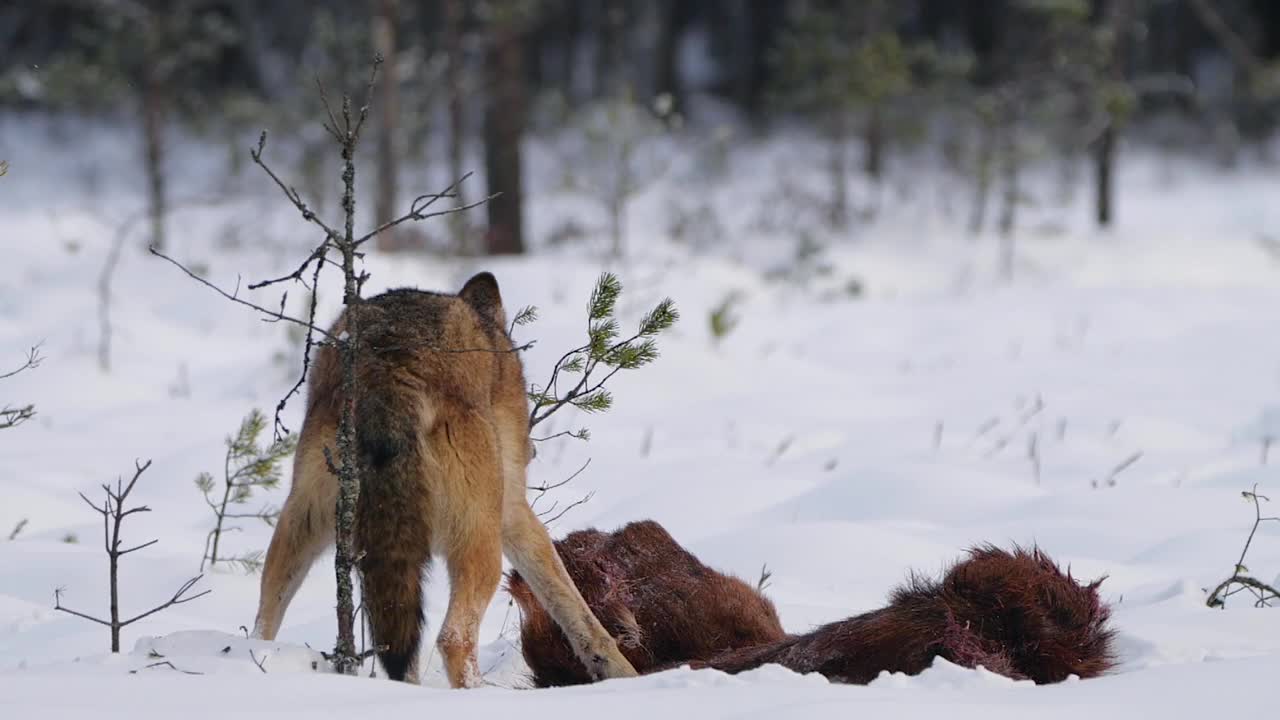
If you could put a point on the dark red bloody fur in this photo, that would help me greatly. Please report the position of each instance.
(1013, 612)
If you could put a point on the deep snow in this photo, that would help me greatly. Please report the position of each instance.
(841, 441)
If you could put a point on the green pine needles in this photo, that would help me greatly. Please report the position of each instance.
(246, 467)
(579, 376)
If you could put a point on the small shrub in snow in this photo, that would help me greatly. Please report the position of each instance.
(603, 353)
(246, 467)
(1240, 581)
(113, 514)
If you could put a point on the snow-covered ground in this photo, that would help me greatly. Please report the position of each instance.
(842, 441)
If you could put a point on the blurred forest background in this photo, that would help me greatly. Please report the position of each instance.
(984, 89)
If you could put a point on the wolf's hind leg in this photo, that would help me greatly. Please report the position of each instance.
(528, 546)
(467, 450)
(303, 531)
(475, 568)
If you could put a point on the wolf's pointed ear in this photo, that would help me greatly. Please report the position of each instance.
(481, 293)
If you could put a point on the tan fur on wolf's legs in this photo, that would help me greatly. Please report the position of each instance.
(411, 393)
(472, 538)
(529, 548)
(527, 545)
(474, 573)
(303, 531)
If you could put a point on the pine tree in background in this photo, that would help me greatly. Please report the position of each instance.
(1050, 75)
(505, 116)
(385, 25)
(613, 150)
(162, 56)
(844, 64)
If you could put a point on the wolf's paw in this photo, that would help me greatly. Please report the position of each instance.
(610, 664)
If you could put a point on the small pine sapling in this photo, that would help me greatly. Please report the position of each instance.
(618, 142)
(246, 466)
(603, 348)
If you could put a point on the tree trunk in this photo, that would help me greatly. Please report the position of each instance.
(1105, 157)
(982, 183)
(838, 208)
(743, 54)
(1010, 166)
(114, 568)
(617, 218)
(153, 117)
(610, 47)
(503, 129)
(453, 13)
(571, 26)
(873, 162)
(667, 75)
(348, 464)
(388, 109)
(1118, 18)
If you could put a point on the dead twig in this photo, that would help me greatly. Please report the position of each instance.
(1240, 580)
(171, 666)
(260, 663)
(113, 514)
(1124, 465)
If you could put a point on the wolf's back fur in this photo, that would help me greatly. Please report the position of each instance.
(442, 433)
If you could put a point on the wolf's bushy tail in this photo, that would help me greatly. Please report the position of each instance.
(391, 524)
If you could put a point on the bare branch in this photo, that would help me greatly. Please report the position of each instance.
(177, 599)
(57, 605)
(33, 360)
(545, 488)
(171, 666)
(138, 547)
(12, 417)
(272, 314)
(260, 663)
(1240, 579)
(280, 429)
(579, 434)
(368, 99)
(289, 191)
(1124, 465)
(418, 209)
(331, 126)
(317, 255)
(580, 501)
